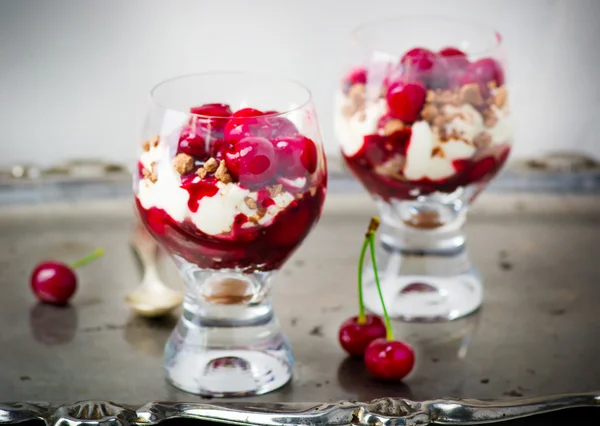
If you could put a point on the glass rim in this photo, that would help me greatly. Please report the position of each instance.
(430, 17)
(266, 76)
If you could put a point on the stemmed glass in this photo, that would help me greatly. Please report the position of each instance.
(423, 121)
(231, 178)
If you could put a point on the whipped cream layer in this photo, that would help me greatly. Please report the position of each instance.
(215, 214)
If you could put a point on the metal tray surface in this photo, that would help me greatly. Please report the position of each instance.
(535, 336)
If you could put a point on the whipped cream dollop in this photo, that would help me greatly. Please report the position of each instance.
(350, 131)
(215, 214)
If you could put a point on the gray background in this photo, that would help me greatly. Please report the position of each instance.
(74, 75)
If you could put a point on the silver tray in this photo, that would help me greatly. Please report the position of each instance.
(538, 253)
(380, 412)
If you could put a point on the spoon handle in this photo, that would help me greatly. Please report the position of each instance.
(147, 252)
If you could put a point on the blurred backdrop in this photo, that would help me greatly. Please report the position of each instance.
(75, 75)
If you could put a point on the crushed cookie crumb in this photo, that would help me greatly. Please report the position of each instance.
(456, 100)
(443, 134)
(151, 175)
(150, 143)
(299, 196)
(313, 191)
(222, 174)
(275, 190)
(437, 152)
(391, 168)
(441, 120)
(211, 165)
(471, 94)
(446, 97)
(357, 93)
(261, 212)
(201, 172)
(489, 118)
(183, 163)
(482, 140)
(392, 126)
(492, 85)
(455, 134)
(431, 97)
(500, 98)
(250, 202)
(429, 112)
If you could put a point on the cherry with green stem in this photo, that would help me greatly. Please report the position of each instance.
(357, 332)
(55, 282)
(386, 358)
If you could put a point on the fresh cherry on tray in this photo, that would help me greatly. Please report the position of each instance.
(55, 282)
(368, 335)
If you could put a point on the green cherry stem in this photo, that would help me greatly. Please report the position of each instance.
(373, 225)
(388, 325)
(87, 259)
(362, 319)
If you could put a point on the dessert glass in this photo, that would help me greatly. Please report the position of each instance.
(230, 179)
(423, 121)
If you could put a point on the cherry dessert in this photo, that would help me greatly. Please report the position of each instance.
(242, 190)
(438, 122)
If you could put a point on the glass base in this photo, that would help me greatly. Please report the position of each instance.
(424, 268)
(422, 298)
(228, 342)
(207, 371)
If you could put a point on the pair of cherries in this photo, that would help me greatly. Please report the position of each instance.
(369, 335)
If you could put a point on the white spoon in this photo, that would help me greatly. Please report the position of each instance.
(152, 298)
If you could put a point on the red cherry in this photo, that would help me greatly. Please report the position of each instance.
(455, 58)
(248, 112)
(484, 71)
(252, 161)
(246, 122)
(406, 99)
(209, 121)
(355, 337)
(425, 66)
(356, 75)
(192, 142)
(418, 61)
(281, 126)
(53, 282)
(212, 110)
(297, 156)
(390, 360)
